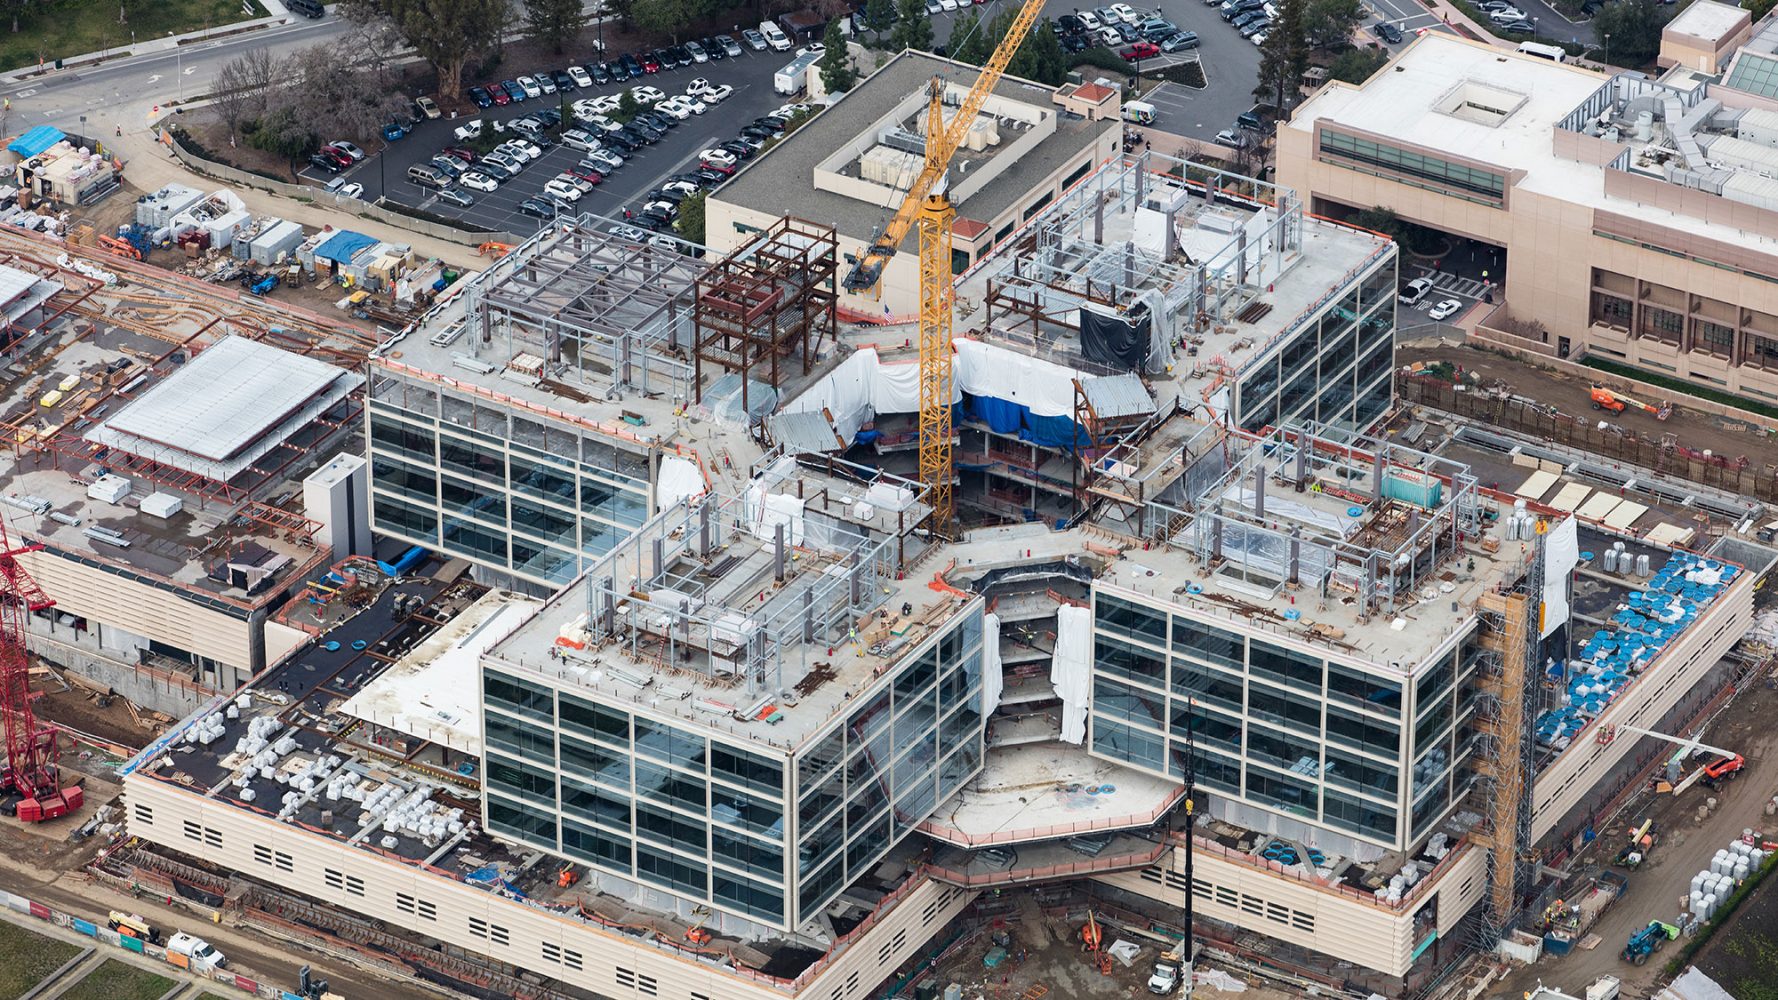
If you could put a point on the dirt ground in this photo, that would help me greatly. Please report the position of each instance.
(1045, 961)
(1685, 847)
(1694, 428)
(1743, 957)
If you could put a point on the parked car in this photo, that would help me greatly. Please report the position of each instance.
(452, 196)
(1068, 24)
(323, 162)
(1231, 138)
(599, 73)
(1389, 33)
(1139, 50)
(716, 95)
(725, 169)
(1506, 16)
(755, 40)
(469, 130)
(479, 181)
(741, 149)
(632, 67)
(1255, 28)
(1180, 41)
(713, 49)
(586, 173)
(426, 107)
(347, 148)
(497, 93)
(1520, 28)
(580, 76)
(516, 90)
(494, 170)
(603, 160)
(1074, 43)
(647, 95)
(565, 82)
(1445, 309)
(353, 190)
(538, 207)
(718, 156)
(449, 165)
(562, 189)
(199, 954)
(481, 97)
(576, 139)
(697, 53)
(729, 45)
(531, 87)
(1414, 291)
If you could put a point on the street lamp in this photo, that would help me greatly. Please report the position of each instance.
(1607, 47)
(1534, 27)
(179, 55)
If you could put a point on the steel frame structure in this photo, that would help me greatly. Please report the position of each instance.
(612, 315)
(767, 302)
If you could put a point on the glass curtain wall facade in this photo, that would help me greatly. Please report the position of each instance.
(1335, 369)
(504, 489)
(1313, 738)
(902, 749)
(670, 806)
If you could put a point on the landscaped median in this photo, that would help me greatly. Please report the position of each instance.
(48, 32)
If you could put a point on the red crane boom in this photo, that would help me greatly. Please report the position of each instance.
(31, 752)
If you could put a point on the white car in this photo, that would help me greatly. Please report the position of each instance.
(353, 190)
(528, 148)
(1125, 12)
(686, 188)
(475, 180)
(1089, 20)
(673, 109)
(516, 151)
(1258, 39)
(666, 207)
(947, 4)
(697, 85)
(562, 189)
(716, 95)
(581, 77)
(605, 159)
(698, 55)
(693, 103)
(469, 130)
(576, 139)
(1507, 16)
(347, 148)
(789, 111)
(531, 87)
(510, 164)
(648, 95)
(1445, 309)
(1414, 291)
(720, 157)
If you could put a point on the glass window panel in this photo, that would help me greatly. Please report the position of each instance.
(1208, 643)
(1123, 659)
(1349, 812)
(595, 763)
(410, 481)
(404, 519)
(597, 721)
(670, 744)
(818, 844)
(1209, 770)
(745, 811)
(1131, 704)
(663, 827)
(528, 741)
(521, 780)
(477, 461)
(542, 522)
(815, 892)
(1126, 618)
(670, 872)
(761, 774)
(1355, 687)
(1361, 733)
(1286, 666)
(520, 822)
(592, 804)
(542, 480)
(665, 785)
(756, 856)
(1287, 751)
(595, 847)
(1206, 685)
(1281, 791)
(1133, 746)
(1212, 728)
(1362, 774)
(1292, 711)
(750, 897)
(520, 697)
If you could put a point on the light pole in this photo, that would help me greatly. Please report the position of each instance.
(1607, 47)
(1534, 28)
(179, 56)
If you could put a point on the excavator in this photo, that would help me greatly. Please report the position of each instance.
(1609, 399)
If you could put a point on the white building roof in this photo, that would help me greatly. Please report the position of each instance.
(1707, 19)
(1423, 98)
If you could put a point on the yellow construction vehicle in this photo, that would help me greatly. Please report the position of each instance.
(927, 206)
(1606, 398)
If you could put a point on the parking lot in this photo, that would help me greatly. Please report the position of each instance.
(750, 74)
(1230, 65)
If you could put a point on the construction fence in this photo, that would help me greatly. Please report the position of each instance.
(1737, 474)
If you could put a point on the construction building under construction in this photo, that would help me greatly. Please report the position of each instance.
(158, 432)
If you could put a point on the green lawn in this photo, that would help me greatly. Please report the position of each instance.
(51, 31)
(116, 980)
(26, 957)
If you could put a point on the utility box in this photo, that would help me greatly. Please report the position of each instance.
(109, 488)
(162, 505)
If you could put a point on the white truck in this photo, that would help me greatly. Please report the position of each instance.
(1165, 980)
(794, 78)
(199, 953)
(775, 36)
(1604, 988)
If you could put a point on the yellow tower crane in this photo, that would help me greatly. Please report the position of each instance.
(927, 206)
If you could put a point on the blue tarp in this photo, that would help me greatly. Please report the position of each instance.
(342, 246)
(1006, 417)
(36, 141)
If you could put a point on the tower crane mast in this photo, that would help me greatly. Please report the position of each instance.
(927, 207)
(31, 772)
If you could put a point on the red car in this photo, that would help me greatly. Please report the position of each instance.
(726, 170)
(498, 93)
(650, 64)
(466, 155)
(1139, 50)
(586, 174)
(338, 157)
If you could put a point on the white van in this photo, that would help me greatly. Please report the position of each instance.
(775, 36)
(197, 951)
(1139, 112)
(1554, 53)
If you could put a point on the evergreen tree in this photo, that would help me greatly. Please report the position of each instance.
(879, 16)
(554, 22)
(914, 30)
(836, 63)
(970, 40)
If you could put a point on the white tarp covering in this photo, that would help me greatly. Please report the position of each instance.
(1149, 231)
(1561, 552)
(1694, 985)
(993, 678)
(864, 385)
(680, 479)
(776, 509)
(1071, 669)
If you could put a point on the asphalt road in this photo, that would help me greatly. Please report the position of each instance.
(124, 91)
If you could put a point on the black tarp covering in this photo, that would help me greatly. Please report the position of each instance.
(1119, 342)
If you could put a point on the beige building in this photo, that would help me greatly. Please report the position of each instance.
(1704, 36)
(851, 167)
(1638, 218)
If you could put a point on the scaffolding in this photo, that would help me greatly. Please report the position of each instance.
(766, 303)
(1504, 762)
(584, 314)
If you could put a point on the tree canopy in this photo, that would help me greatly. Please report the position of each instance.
(555, 22)
(836, 62)
(445, 33)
